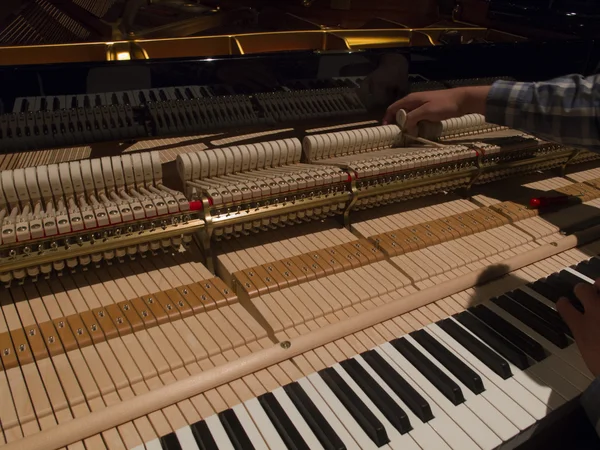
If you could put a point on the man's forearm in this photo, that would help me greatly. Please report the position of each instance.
(564, 110)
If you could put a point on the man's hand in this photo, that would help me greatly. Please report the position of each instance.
(435, 106)
(585, 327)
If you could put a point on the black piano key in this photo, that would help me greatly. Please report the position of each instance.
(313, 417)
(355, 406)
(562, 289)
(449, 360)
(494, 340)
(587, 270)
(282, 423)
(438, 378)
(547, 314)
(509, 332)
(237, 435)
(544, 290)
(388, 407)
(570, 278)
(415, 401)
(492, 360)
(532, 321)
(595, 265)
(170, 442)
(556, 281)
(203, 436)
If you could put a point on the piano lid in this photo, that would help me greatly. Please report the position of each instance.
(59, 31)
(534, 18)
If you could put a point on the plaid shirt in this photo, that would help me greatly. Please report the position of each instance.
(564, 110)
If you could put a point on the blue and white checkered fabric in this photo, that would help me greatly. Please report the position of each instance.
(565, 110)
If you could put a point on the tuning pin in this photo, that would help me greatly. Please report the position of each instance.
(152, 226)
(163, 224)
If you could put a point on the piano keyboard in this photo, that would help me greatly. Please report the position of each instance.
(449, 375)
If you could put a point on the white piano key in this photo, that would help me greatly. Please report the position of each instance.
(448, 430)
(528, 380)
(568, 355)
(519, 405)
(154, 444)
(328, 414)
(546, 372)
(218, 433)
(249, 427)
(139, 447)
(263, 423)
(421, 432)
(186, 439)
(294, 415)
(397, 440)
(463, 416)
(478, 404)
(342, 413)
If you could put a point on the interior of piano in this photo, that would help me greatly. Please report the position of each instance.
(152, 236)
(249, 245)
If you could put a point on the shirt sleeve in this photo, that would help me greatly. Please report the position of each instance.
(590, 401)
(564, 110)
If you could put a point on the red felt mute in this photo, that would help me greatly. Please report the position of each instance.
(195, 205)
(544, 202)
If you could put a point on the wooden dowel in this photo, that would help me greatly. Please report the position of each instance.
(113, 416)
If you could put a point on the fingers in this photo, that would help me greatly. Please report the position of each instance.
(408, 103)
(415, 116)
(572, 317)
(587, 295)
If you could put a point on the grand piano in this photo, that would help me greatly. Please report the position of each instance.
(209, 240)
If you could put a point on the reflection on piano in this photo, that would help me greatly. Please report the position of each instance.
(230, 252)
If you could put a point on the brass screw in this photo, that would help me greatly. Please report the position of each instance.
(285, 344)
